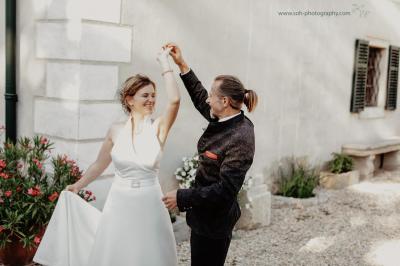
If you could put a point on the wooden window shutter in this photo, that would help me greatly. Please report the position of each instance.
(360, 76)
(392, 78)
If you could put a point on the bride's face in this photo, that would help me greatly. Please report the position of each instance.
(143, 101)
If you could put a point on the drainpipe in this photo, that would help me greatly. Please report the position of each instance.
(11, 97)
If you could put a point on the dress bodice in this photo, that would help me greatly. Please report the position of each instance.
(138, 157)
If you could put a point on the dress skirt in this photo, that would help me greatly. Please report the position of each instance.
(134, 228)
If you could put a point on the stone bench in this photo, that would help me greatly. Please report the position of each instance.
(366, 160)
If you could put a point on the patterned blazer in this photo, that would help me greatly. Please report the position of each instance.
(226, 152)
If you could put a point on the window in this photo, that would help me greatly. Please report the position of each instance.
(372, 86)
(376, 67)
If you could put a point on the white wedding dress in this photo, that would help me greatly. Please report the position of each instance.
(134, 227)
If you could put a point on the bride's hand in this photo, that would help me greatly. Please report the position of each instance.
(162, 57)
(73, 188)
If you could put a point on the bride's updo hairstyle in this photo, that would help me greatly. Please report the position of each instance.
(233, 88)
(131, 86)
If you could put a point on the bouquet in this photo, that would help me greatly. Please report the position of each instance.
(187, 173)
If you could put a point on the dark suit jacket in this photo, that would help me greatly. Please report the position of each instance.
(226, 151)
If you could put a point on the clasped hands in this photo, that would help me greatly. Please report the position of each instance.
(170, 200)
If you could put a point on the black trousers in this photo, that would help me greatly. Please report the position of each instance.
(208, 251)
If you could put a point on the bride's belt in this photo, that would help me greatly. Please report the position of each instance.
(135, 182)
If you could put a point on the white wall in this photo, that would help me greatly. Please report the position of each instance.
(69, 54)
(301, 68)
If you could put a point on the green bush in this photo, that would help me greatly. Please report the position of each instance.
(298, 180)
(341, 163)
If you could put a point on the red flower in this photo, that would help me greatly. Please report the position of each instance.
(19, 188)
(43, 140)
(8, 193)
(37, 162)
(53, 196)
(74, 170)
(87, 195)
(37, 240)
(2, 164)
(4, 175)
(64, 158)
(34, 191)
(31, 192)
(1, 228)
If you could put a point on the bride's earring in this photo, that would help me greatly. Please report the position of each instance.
(130, 105)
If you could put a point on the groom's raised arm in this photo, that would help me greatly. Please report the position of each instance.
(197, 93)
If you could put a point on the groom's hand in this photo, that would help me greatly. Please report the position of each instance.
(170, 200)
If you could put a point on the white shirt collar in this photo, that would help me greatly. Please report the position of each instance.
(228, 117)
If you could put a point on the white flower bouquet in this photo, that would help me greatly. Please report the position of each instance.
(186, 174)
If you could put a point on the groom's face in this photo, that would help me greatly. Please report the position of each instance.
(216, 100)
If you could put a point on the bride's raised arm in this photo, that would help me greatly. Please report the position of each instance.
(166, 120)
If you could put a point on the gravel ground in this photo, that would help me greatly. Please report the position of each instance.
(359, 225)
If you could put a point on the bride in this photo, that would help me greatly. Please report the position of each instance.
(134, 227)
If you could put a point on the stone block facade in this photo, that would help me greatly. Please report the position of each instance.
(82, 48)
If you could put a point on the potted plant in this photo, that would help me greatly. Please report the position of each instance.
(340, 174)
(297, 179)
(29, 193)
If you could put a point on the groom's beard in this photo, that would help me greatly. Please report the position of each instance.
(213, 115)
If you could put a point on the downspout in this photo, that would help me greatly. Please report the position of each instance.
(11, 97)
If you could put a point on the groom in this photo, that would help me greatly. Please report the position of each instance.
(226, 151)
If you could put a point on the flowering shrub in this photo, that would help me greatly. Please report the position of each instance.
(87, 195)
(186, 174)
(28, 194)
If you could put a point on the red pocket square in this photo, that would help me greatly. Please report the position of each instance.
(211, 155)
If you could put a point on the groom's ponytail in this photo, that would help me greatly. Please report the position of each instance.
(250, 100)
(233, 88)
